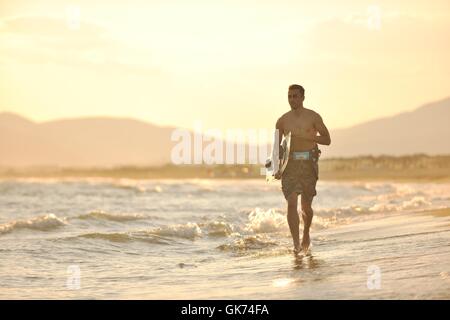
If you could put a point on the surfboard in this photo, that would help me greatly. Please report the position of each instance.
(272, 164)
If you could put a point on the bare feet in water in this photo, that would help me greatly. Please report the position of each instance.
(297, 248)
(306, 241)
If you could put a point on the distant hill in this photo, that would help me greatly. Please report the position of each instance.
(423, 130)
(103, 141)
(82, 142)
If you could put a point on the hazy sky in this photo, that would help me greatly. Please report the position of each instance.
(225, 63)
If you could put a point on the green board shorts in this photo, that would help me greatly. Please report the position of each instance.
(300, 176)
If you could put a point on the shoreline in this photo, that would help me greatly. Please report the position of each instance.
(420, 168)
(382, 176)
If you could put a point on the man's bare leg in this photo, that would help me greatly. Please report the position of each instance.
(294, 220)
(307, 214)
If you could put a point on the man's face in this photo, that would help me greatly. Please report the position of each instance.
(295, 98)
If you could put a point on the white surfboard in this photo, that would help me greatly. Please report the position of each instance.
(272, 164)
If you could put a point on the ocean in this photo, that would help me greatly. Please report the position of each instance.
(99, 238)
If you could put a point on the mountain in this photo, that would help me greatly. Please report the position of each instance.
(82, 142)
(103, 141)
(423, 130)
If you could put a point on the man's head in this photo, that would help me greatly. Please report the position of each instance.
(296, 95)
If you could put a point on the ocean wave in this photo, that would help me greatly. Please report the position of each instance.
(416, 202)
(266, 221)
(159, 235)
(275, 220)
(124, 237)
(245, 243)
(195, 230)
(43, 223)
(218, 228)
(138, 186)
(320, 223)
(188, 231)
(328, 218)
(102, 215)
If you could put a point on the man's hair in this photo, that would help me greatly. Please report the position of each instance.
(297, 87)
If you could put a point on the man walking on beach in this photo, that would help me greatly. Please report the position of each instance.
(302, 170)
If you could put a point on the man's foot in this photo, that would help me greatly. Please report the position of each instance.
(297, 248)
(306, 241)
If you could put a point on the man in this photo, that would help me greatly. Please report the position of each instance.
(302, 171)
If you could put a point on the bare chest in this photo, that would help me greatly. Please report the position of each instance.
(303, 124)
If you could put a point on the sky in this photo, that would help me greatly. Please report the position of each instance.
(225, 64)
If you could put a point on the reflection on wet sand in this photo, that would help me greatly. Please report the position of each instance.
(305, 262)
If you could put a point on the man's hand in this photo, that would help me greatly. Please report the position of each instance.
(324, 137)
(277, 175)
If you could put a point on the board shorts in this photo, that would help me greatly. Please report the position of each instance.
(300, 176)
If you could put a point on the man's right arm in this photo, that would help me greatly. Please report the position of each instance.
(279, 127)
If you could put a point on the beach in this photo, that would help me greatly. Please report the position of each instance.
(106, 238)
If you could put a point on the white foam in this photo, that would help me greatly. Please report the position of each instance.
(265, 221)
(414, 203)
(42, 223)
(219, 228)
(188, 231)
(252, 242)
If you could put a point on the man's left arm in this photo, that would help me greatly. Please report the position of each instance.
(324, 137)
